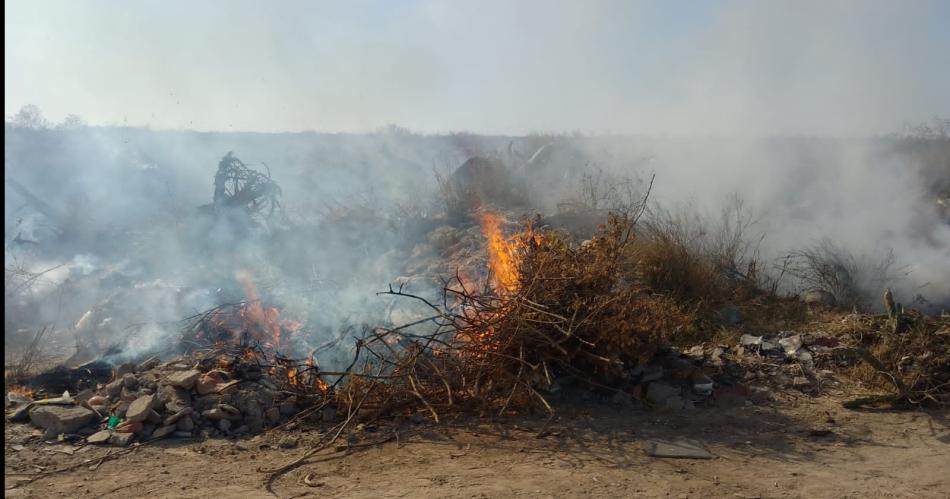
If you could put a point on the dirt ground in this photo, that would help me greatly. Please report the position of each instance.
(796, 446)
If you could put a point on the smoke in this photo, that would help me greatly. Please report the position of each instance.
(780, 103)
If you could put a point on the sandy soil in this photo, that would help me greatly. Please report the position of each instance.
(795, 447)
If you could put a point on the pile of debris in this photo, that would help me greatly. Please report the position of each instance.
(183, 398)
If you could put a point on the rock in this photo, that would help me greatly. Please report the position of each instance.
(182, 434)
(222, 411)
(288, 442)
(174, 398)
(207, 402)
(97, 400)
(87, 430)
(163, 431)
(56, 419)
(148, 364)
(84, 396)
(184, 379)
(129, 427)
(730, 314)
(130, 395)
(185, 424)
(658, 392)
(209, 382)
(254, 416)
(129, 381)
(231, 411)
(289, 406)
(224, 425)
(121, 439)
(241, 430)
(187, 411)
(140, 409)
(99, 438)
(125, 370)
(114, 390)
(121, 408)
(153, 417)
(272, 415)
(818, 297)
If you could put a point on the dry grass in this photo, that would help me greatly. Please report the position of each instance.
(575, 310)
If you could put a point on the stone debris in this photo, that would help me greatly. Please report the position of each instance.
(184, 379)
(58, 419)
(163, 431)
(121, 439)
(140, 409)
(99, 437)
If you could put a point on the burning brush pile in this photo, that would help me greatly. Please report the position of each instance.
(549, 309)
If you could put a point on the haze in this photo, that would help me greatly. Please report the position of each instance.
(709, 68)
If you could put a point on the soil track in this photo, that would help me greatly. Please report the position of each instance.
(796, 447)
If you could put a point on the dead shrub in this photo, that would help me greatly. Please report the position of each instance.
(852, 280)
(575, 309)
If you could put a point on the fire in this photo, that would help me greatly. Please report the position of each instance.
(256, 317)
(502, 254)
(21, 390)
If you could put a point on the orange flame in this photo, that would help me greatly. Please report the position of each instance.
(20, 390)
(502, 257)
(256, 317)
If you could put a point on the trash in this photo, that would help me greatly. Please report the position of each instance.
(113, 422)
(703, 387)
(17, 399)
(683, 448)
(747, 340)
(791, 344)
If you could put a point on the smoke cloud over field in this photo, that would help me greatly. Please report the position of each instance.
(798, 109)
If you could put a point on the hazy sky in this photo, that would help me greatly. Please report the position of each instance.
(726, 67)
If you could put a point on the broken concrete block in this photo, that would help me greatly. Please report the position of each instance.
(56, 419)
(140, 409)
